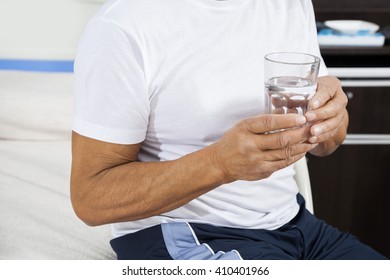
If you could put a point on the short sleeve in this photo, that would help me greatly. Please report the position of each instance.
(314, 48)
(110, 99)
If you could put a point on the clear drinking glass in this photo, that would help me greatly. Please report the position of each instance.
(290, 82)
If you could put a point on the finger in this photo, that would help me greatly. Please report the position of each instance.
(324, 131)
(271, 122)
(283, 139)
(326, 126)
(327, 87)
(279, 164)
(323, 137)
(331, 109)
(289, 152)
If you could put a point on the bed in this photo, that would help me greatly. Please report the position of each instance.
(36, 216)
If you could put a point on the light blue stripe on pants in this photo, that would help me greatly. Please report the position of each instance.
(182, 244)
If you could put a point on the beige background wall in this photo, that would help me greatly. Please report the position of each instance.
(43, 29)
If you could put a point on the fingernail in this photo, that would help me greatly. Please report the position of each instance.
(315, 104)
(310, 116)
(301, 120)
(317, 131)
(313, 139)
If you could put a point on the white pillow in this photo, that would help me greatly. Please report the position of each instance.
(35, 105)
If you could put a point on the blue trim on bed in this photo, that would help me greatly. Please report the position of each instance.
(37, 65)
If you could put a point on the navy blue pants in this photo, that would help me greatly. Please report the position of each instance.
(304, 237)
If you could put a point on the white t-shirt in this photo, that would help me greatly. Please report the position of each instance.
(175, 75)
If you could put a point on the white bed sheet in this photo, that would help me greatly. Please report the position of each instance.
(36, 216)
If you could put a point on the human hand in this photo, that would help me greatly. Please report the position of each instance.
(248, 152)
(328, 116)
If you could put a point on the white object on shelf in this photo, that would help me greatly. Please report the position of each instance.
(352, 27)
(330, 39)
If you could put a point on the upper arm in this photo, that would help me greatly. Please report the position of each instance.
(111, 97)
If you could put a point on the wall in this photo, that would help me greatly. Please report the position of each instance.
(43, 29)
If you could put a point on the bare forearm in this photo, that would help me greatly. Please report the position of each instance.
(108, 185)
(137, 190)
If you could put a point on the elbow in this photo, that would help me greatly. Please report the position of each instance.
(85, 207)
(92, 204)
(85, 215)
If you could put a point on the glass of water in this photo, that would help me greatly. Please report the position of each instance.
(290, 82)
